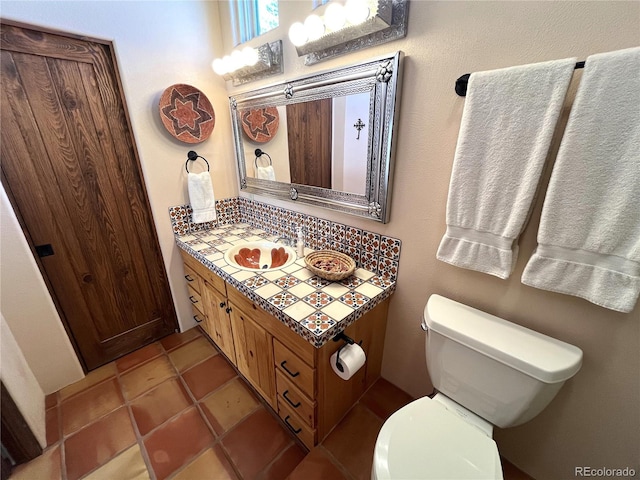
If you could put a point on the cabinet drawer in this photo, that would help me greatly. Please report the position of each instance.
(297, 401)
(192, 278)
(195, 299)
(202, 271)
(303, 431)
(294, 369)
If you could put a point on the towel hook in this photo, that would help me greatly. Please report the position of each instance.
(259, 153)
(193, 156)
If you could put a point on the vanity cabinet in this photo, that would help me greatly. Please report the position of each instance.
(293, 377)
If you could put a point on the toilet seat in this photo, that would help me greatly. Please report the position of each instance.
(424, 440)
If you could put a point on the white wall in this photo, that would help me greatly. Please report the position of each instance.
(21, 383)
(29, 310)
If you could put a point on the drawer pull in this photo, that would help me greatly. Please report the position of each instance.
(222, 304)
(192, 300)
(195, 317)
(282, 364)
(294, 405)
(189, 279)
(228, 310)
(286, 420)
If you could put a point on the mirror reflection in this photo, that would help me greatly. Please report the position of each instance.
(322, 143)
(327, 138)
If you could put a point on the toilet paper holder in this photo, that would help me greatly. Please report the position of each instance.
(348, 341)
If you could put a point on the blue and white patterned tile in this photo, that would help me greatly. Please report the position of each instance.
(318, 299)
(352, 282)
(317, 282)
(390, 247)
(338, 232)
(255, 282)
(353, 237)
(354, 299)
(388, 268)
(286, 281)
(283, 300)
(371, 242)
(318, 323)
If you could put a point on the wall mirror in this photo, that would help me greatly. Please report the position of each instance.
(326, 139)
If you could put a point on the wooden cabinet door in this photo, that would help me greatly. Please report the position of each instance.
(71, 169)
(218, 321)
(254, 354)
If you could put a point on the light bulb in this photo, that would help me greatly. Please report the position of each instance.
(236, 59)
(227, 64)
(357, 11)
(314, 27)
(298, 34)
(335, 17)
(250, 56)
(218, 66)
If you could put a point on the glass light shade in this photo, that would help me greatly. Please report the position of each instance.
(250, 56)
(314, 27)
(357, 11)
(218, 66)
(298, 34)
(236, 59)
(228, 63)
(335, 17)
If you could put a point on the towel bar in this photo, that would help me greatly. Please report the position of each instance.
(461, 82)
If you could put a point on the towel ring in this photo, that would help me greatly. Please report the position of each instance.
(193, 156)
(259, 153)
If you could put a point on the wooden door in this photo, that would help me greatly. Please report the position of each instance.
(218, 321)
(310, 142)
(254, 354)
(70, 167)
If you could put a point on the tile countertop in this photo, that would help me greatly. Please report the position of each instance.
(316, 309)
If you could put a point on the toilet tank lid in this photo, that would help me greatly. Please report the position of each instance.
(535, 354)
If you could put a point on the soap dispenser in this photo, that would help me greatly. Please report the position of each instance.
(300, 242)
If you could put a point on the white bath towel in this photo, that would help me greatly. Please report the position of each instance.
(507, 125)
(267, 173)
(203, 202)
(589, 236)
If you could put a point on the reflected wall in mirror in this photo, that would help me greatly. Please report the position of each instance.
(329, 138)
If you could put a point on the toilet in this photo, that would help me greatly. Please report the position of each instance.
(486, 371)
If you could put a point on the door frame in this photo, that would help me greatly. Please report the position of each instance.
(109, 44)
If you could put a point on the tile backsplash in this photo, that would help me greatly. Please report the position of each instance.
(374, 252)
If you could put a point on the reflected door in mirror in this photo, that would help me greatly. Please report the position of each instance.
(310, 142)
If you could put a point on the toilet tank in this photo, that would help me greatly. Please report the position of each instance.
(503, 372)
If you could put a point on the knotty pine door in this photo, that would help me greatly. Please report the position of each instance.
(70, 167)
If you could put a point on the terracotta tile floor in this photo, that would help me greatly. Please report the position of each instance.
(177, 409)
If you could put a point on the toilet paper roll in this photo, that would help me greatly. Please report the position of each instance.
(352, 358)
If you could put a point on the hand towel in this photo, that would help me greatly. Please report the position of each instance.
(203, 202)
(507, 125)
(589, 235)
(267, 173)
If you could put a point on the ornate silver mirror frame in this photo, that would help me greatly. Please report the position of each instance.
(381, 78)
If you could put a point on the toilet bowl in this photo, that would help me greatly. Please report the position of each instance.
(487, 371)
(426, 440)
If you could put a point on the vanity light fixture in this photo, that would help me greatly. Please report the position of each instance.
(346, 28)
(250, 64)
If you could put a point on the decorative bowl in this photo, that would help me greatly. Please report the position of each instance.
(330, 265)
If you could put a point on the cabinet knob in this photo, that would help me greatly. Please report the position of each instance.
(222, 304)
(228, 309)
